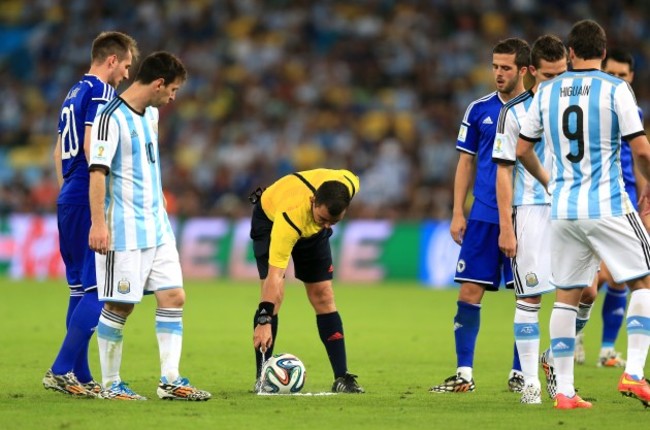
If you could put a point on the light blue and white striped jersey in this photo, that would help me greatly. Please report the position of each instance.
(583, 114)
(526, 189)
(126, 142)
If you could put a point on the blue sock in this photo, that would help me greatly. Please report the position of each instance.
(76, 294)
(613, 314)
(516, 365)
(73, 354)
(466, 324)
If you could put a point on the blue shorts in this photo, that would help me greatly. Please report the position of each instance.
(79, 259)
(481, 261)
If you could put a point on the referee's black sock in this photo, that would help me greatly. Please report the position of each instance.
(269, 351)
(330, 329)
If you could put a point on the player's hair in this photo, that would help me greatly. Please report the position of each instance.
(334, 195)
(109, 43)
(620, 56)
(516, 46)
(161, 64)
(587, 39)
(548, 48)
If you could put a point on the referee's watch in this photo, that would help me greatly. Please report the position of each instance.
(264, 319)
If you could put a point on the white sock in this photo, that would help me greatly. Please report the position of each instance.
(169, 331)
(638, 332)
(465, 372)
(563, 337)
(527, 340)
(109, 339)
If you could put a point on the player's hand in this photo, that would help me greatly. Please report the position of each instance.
(262, 337)
(508, 243)
(99, 238)
(457, 228)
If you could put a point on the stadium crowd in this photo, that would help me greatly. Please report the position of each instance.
(374, 86)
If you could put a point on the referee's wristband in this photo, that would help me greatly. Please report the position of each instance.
(266, 308)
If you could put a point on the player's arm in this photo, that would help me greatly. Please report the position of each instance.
(98, 238)
(87, 135)
(526, 154)
(507, 239)
(272, 295)
(58, 162)
(465, 170)
(284, 235)
(641, 153)
(504, 155)
(102, 148)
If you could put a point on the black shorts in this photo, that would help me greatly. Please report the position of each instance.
(312, 257)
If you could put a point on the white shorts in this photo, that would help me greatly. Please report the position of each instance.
(124, 276)
(531, 267)
(577, 247)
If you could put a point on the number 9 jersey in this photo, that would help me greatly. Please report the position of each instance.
(78, 111)
(583, 115)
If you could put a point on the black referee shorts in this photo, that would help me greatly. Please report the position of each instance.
(312, 257)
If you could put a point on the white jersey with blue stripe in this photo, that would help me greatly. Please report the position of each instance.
(126, 142)
(582, 115)
(526, 189)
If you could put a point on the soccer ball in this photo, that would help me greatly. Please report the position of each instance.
(282, 374)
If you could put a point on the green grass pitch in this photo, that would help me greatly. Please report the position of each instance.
(399, 340)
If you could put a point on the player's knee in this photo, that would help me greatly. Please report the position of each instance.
(321, 297)
(174, 298)
(470, 293)
(122, 309)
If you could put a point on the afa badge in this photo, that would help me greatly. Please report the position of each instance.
(124, 286)
(531, 280)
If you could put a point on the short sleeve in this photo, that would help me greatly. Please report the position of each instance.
(104, 139)
(505, 142)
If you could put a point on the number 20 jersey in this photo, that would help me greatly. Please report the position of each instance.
(583, 114)
(78, 111)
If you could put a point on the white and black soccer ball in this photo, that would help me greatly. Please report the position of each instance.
(282, 374)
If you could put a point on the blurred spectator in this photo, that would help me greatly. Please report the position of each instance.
(378, 87)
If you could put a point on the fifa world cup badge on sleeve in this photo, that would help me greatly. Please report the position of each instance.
(462, 134)
(498, 144)
(124, 286)
(99, 152)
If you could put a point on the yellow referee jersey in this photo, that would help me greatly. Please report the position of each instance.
(287, 204)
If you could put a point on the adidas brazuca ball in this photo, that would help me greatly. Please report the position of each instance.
(282, 374)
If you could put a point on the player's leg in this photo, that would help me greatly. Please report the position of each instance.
(71, 253)
(613, 313)
(531, 270)
(73, 225)
(478, 268)
(587, 299)
(624, 245)
(86, 316)
(313, 265)
(633, 382)
(574, 268)
(165, 280)
(119, 288)
(260, 233)
(516, 375)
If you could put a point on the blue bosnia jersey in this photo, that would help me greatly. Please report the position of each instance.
(476, 137)
(79, 110)
(627, 163)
